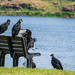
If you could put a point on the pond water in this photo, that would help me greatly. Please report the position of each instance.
(54, 35)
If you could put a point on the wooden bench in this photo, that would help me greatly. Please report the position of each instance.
(16, 47)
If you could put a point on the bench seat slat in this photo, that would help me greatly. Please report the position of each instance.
(3, 37)
(17, 46)
(3, 41)
(17, 49)
(16, 38)
(14, 49)
(4, 48)
(16, 42)
(3, 45)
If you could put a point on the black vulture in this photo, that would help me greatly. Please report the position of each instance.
(25, 32)
(4, 26)
(56, 63)
(24, 63)
(16, 28)
(31, 43)
(28, 34)
(33, 64)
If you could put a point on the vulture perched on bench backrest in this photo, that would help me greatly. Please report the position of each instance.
(16, 28)
(4, 26)
(56, 63)
(28, 34)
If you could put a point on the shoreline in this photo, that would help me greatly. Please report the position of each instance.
(38, 16)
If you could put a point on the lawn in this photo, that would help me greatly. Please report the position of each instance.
(29, 71)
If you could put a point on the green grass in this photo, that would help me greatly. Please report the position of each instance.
(37, 13)
(29, 71)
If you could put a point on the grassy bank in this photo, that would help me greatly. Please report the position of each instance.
(46, 8)
(26, 71)
(38, 13)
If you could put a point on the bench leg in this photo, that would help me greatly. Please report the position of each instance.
(29, 63)
(2, 60)
(15, 62)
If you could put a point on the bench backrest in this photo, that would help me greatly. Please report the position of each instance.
(4, 45)
(11, 45)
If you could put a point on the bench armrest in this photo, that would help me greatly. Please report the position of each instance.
(35, 54)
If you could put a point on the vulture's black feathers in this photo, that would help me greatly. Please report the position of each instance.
(33, 64)
(4, 26)
(26, 33)
(16, 28)
(56, 63)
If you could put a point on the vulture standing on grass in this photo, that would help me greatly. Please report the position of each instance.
(33, 64)
(16, 28)
(56, 63)
(4, 26)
